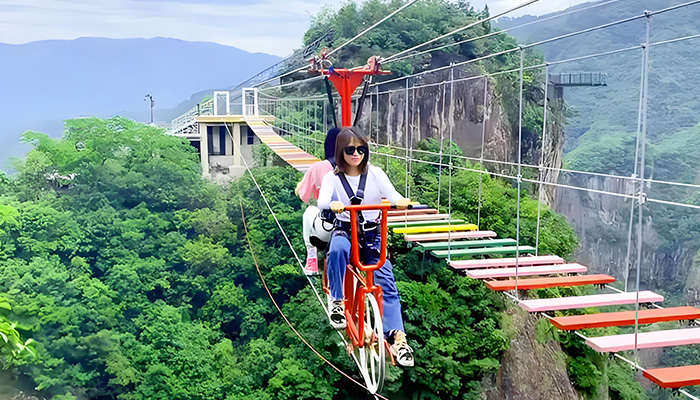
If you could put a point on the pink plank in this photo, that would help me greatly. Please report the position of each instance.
(593, 300)
(526, 271)
(425, 217)
(430, 237)
(645, 340)
(506, 262)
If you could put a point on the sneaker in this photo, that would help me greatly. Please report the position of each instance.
(402, 351)
(337, 316)
(311, 267)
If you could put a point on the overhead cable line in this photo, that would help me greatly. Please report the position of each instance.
(346, 43)
(269, 293)
(494, 33)
(513, 164)
(481, 21)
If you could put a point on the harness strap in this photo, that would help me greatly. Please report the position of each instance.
(330, 101)
(355, 198)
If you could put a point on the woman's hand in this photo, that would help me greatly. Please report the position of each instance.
(402, 204)
(337, 206)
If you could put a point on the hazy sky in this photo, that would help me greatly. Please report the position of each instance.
(267, 26)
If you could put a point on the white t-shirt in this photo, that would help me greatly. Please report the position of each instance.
(378, 186)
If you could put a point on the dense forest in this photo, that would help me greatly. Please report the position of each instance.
(133, 279)
(124, 275)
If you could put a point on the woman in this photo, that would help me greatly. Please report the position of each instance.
(316, 231)
(355, 181)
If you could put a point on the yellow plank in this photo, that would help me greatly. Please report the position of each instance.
(437, 228)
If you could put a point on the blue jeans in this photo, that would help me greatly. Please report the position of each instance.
(339, 258)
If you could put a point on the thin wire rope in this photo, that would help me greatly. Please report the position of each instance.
(269, 293)
(642, 154)
(481, 21)
(588, 30)
(542, 155)
(634, 174)
(494, 33)
(346, 43)
(535, 181)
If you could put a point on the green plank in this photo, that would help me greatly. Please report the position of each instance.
(462, 244)
(483, 251)
(401, 224)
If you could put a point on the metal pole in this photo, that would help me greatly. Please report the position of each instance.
(406, 134)
(544, 136)
(519, 176)
(481, 157)
(442, 141)
(449, 176)
(642, 144)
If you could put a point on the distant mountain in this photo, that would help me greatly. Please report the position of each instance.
(674, 104)
(43, 83)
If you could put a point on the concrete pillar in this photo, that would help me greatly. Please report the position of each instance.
(204, 149)
(237, 145)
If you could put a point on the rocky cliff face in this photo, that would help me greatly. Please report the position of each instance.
(434, 108)
(530, 370)
(602, 224)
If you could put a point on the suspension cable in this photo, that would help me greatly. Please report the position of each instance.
(498, 32)
(269, 293)
(481, 21)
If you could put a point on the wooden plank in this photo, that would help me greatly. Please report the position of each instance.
(506, 262)
(645, 340)
(561, 281)
(483, 251)
(464, 244)
(526, 271)
(593, 300)
(622, 318)
(674, 377)
(427, 237)
(437, 228)
(424, 223)
(425, 217)
(392, 213)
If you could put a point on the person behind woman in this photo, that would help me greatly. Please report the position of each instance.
(352, 158)
(315, 230)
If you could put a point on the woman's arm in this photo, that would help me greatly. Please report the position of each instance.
(325, 195)
(385, 187)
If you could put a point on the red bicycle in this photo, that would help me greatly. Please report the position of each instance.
(363, 304)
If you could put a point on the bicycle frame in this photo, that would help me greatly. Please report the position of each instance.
(355, 290)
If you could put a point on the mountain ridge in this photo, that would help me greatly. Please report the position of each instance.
(48, 81)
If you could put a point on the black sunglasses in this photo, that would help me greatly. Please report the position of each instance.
(361, 150)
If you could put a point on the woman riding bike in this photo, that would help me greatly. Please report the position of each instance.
(355, 181)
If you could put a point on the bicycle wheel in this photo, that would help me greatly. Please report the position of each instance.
(371, 356)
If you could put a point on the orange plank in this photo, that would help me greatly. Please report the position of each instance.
(622, 318)
(539, 283)
(674, 377)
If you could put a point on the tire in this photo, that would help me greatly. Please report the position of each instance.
(372, 358)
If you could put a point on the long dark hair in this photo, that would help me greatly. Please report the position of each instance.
(329, 144)
(346, 136)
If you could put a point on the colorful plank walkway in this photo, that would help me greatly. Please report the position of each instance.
(293, 155)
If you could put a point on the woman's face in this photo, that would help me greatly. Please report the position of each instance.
(355, 158)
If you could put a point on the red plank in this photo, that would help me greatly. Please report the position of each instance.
(622, 318)
(674, 377)
(539, 283)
